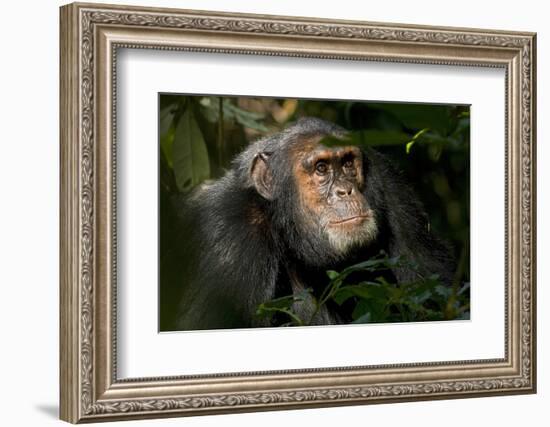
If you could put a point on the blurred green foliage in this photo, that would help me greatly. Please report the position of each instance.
(379, 301)
(199, 135)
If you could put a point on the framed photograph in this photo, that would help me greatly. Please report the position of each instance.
(266, 212)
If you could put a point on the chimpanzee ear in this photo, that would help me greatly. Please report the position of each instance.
(261, 175)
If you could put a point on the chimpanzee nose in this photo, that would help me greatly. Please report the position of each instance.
(344, 191)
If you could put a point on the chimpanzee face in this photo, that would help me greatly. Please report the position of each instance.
(319, 202)
(330, 183)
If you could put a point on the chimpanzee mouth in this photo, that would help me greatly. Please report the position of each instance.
(356, 219)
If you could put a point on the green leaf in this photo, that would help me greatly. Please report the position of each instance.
(249, 119)
(286, 301)
(278, 303)
(167, 131)
(252, 115)
(368, 311)
(464, 288)
(443, 291)
(364, 290)
(167, 144)
(372, 264)
(283, 305)
(209, 108)
(415, 138)
(365, 318)
(246, 118)
(332, 275)
(190, 155)
(165, 119)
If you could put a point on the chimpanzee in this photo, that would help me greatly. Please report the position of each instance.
(288, 210)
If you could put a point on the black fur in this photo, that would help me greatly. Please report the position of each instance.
(238, 250)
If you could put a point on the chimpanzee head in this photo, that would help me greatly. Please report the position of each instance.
(315, 193)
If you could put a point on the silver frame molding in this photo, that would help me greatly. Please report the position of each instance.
(90, 36)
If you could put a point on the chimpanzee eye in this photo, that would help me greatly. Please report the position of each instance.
(348, 164)
(321, 168)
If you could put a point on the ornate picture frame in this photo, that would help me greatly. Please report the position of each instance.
(90, 37)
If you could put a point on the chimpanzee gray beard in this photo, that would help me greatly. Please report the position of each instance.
(343, 240)
(320, 245)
